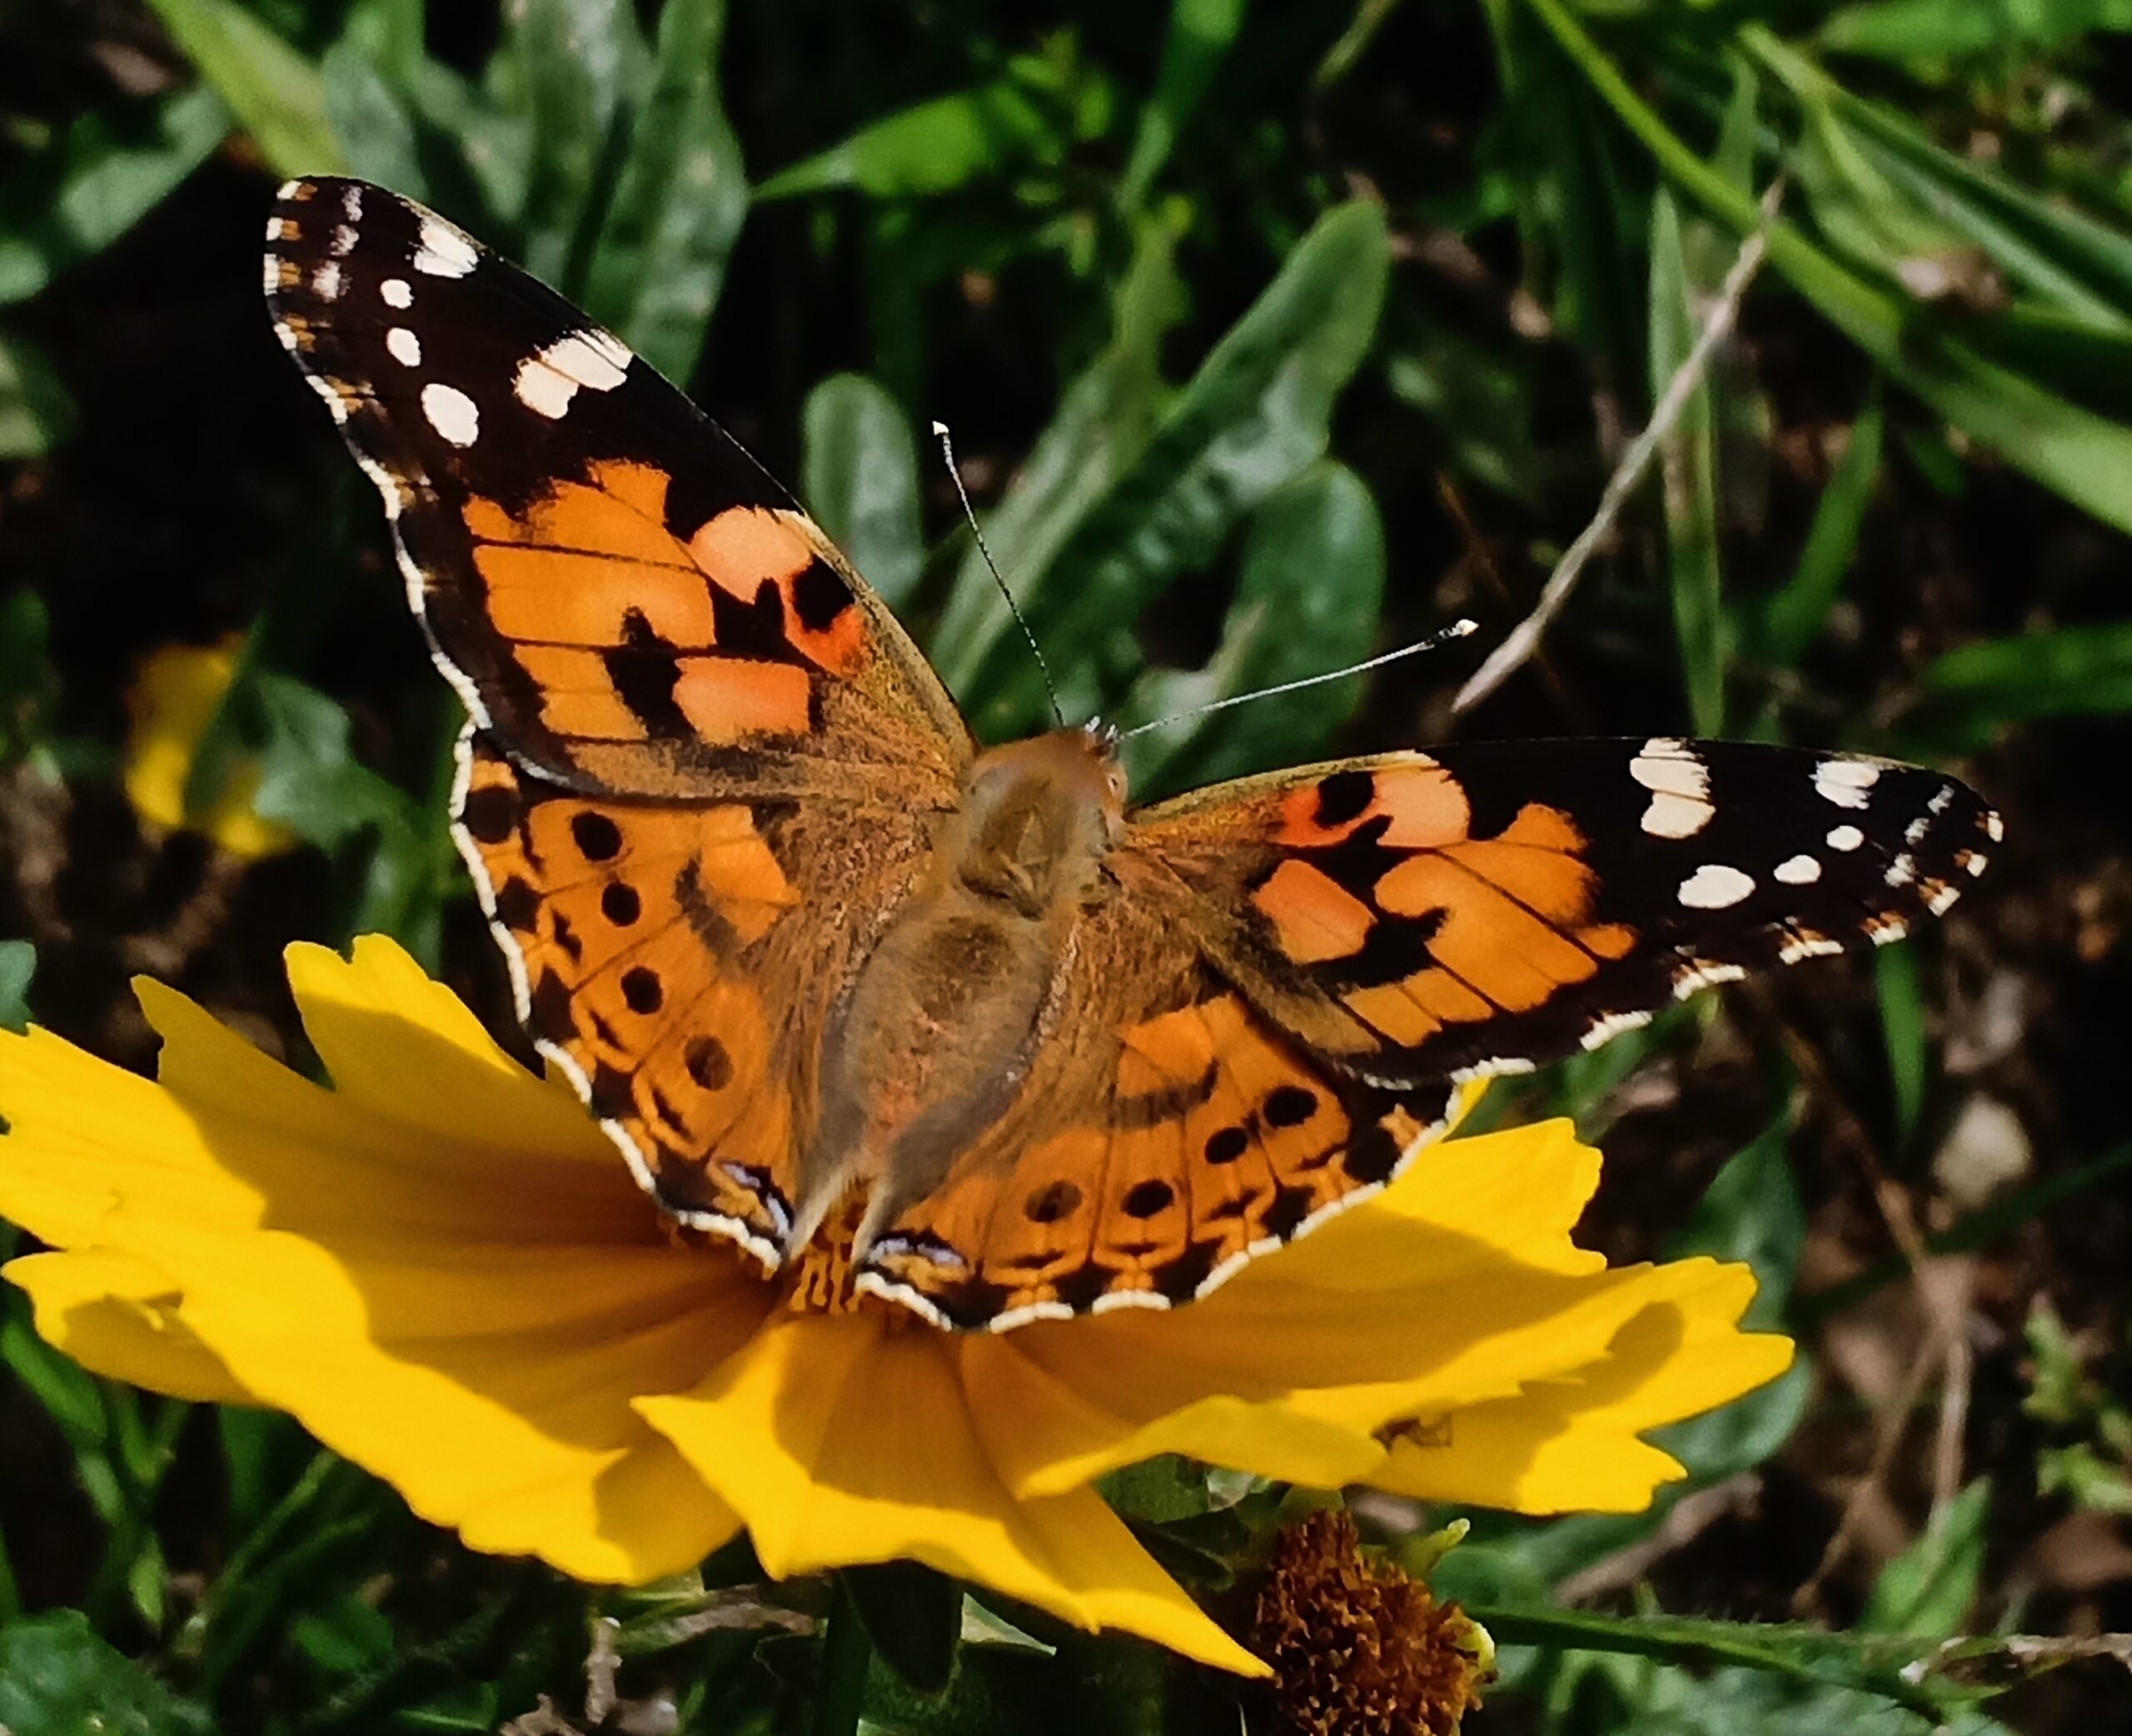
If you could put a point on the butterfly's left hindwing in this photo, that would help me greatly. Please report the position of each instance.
(1485, 908)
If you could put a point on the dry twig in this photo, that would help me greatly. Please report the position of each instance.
(1519, 643)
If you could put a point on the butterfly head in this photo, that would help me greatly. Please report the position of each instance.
(1037, 816)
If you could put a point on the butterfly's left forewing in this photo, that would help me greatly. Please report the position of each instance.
(620, 594)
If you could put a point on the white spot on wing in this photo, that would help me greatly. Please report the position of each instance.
(344, 240)
(406, 347)
(1886, 930)
(545, 383)
(1703, 974)
(444, 251)
(396, 292)
(273, 229)
(1940, 798)
(451, 413)
(1914, 832)
(1798, 870)
(1994, 829)
(351, 203)
(1806, 943)
(1942, 897)
(325, 282)
(541, 389)
(1845, 782)
(1902, 870)
(1610, 1025)
(1845, 838)
(1679, 786)
(1715, 886)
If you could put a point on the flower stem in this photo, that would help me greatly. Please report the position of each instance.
(846, 1652)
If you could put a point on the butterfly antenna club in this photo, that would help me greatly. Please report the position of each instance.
(948, 452)
(1442, 636)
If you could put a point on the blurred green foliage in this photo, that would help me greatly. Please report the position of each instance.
(1249, 284)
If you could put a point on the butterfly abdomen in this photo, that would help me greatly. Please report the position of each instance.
(935, 1037)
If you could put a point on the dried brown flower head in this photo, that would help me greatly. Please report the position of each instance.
(1358, 1647)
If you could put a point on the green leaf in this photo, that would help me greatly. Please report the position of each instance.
(1256, 413)
(1967, 697)
(658, 260)
(28, 684)
(1751, 1212)
(859, 476)
(1310, 585)
(1688, 463)
(1156, 1491)
(275, 92)
(577, 65)
(37, 412)
(937, 146)
(1200, 33)
(1102, 426)
(17, 967)
(96, 179)
(1902, 1027)
(1926, 1592)
(373, 124)
(1792, 618)
(349, 1637)
(914, 1617)
(1910, 31)
(1892, 1668)
(58, 1678)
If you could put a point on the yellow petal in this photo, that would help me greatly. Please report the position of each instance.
(1570, 1444)
(116, 1315)
(173, 701)
(1049, 1429)
(365, 1015)
(469, 1318)
(840, 1440)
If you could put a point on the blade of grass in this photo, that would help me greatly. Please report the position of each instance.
(1878, 1666)
(2081, 456)
(859, 476)
(1902, 1029)
(275, 92)
(1790, 619)
(1200, 33)
(1688, 467)
(659, 258)
(1519, 644)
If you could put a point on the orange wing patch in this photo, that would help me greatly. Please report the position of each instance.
(1209, 1137)
(629, 928)
(1377, 915)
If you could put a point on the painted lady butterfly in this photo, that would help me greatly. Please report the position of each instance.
(818, 964)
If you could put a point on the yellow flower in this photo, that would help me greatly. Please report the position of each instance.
(173, 700)
(440, 1265)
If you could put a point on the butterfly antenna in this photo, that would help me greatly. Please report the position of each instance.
(1442, 636)
(948, 452)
